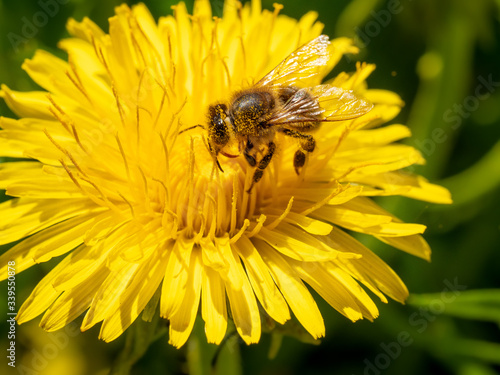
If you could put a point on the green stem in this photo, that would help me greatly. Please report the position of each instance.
(209, 359)
(139, 336)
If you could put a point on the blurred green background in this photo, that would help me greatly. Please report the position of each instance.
(443, 58)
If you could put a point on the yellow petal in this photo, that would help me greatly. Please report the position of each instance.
(377, 160)
(44, 294)
(329, 288)
(82, 54)
(295, 292)
(32, 144)
(51, 242)
(376, 137)
(27, 104)
(244, 309)
(414, 244)
(71, 304)
(42, 215)
(136, 296)
(372, 271)
(176, 277)
(212, 257)
(297, 244)
(430, 192)
(378, 96)
(232, 274)
(149, 28)
(363, 215)
(9, 171)
(121, 56)
(351, 219)
(182, 321)
(49, 72)
(262, 283)
(14, 209)
(213, 306)
(364, 302)
(35, 183)
(308, 224)
(97, 256)
(107, 298)
(412, 186)
(86, 29)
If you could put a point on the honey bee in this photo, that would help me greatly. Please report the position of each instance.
(279, 103)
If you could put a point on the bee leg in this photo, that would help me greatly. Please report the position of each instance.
(214, 154)
(249, 158)
(263, 164)
(307, 145)
(299, 160)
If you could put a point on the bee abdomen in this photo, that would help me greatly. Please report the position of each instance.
(286, 92)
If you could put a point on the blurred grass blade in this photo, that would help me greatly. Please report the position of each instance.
(482, 305)
(473, 368)
(355, 14)
(481, 350)
(485, 174)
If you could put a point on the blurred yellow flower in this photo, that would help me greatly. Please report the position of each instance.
(134, 206)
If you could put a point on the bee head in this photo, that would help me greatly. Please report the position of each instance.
(218, 133)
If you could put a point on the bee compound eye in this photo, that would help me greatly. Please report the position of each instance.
(217, 113)
(217, 130)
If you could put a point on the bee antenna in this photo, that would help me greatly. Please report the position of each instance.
(218, 164)
(191, 127)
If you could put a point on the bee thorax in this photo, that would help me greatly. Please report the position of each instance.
(250, 110)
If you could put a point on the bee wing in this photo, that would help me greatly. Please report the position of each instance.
(301, 64)
(320, 103)
(339, 104)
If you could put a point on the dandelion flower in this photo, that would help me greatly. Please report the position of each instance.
(132, 207)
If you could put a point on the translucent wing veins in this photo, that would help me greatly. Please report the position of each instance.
(320, 103)
(301, 64)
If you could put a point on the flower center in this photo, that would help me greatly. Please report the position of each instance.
(205, 201)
